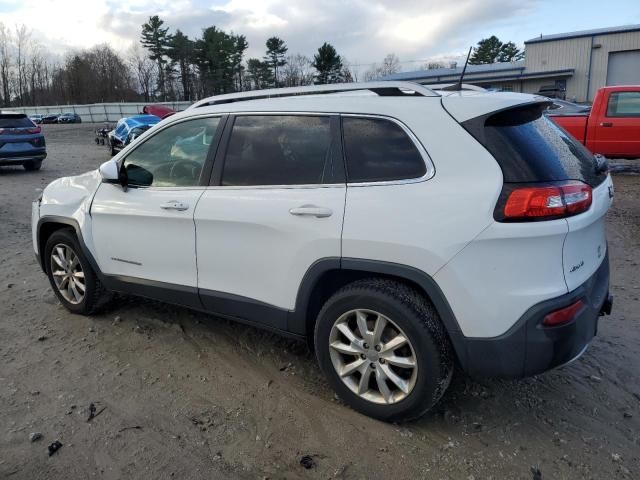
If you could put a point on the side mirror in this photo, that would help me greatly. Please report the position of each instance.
(110, 173)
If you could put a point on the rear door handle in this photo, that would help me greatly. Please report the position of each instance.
(311, 211)
(606, 124)
(175, 205)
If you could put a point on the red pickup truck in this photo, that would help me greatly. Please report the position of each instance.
(612, 127)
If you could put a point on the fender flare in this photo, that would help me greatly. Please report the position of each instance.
(297, 321)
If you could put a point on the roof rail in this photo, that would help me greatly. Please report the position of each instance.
(450, 86)
(383, 89)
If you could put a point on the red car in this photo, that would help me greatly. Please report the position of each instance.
(158, 110)
(612, 127)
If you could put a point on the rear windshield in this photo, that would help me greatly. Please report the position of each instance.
(15, 121)
(531, 148)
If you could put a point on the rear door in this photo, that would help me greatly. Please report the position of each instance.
(618, 130)
(275, 207)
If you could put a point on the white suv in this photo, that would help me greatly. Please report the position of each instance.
(401, 230)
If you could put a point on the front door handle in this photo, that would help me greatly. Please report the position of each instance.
(606, 124)
(175, 205)
(311, 211)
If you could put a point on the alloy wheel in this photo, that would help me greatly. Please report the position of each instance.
(373, 357)
(67, 273)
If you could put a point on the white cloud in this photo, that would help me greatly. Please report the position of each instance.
(361, 30)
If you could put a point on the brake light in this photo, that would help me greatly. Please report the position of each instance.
(564, 315)
(544, 202)
(34, 130)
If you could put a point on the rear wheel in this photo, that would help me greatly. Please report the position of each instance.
(383, 349)
(32, 165)
(73, 280)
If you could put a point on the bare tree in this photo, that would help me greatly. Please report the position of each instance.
(297, 71)
(143, 70)
(5, 65)
(390, 65)
(22, 44)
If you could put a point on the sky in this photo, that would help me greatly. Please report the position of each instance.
(363, 31)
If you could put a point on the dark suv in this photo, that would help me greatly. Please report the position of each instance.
(21, 141)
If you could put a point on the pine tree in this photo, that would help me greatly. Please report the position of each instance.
(276, 50)
(156, 39)
(510, 53)
(181, 51)
(328, 64)
(487, 51)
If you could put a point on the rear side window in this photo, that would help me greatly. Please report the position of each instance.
(378, 150)
(529, 147)
(15, 121)
(279, 150)
(624, 104)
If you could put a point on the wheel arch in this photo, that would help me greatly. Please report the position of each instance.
(328, 275)
(49, 224)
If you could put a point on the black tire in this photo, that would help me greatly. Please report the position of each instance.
(95, 296)
(419, 321)
(32, 165)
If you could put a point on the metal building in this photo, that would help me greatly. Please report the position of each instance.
(573, 65)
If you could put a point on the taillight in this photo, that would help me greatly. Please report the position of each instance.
(543, 202)
(34, 130)
(564, 315)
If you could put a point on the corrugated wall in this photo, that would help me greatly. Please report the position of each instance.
(561, 54)
(574, 53)
(610, 43)
(99, 112)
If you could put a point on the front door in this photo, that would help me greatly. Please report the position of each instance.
(275, 208)
(145, 234)
(619, 131)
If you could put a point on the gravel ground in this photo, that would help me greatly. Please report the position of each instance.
(180, 394)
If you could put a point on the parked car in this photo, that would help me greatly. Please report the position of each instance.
(401, 233)
(50, 118)
(69, 117)
(553, 91)
(563, 107)
(612, 126)
(128, 129)
(161, 111)
(36, 118)
(21, 141)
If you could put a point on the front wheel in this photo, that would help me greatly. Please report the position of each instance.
(384, 349)
(73, 280)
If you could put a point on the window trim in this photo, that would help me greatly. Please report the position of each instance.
(623, 115)
(218, 165)
(430, 168)
(205, 174)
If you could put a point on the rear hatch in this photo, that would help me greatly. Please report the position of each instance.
(535, 155)
(19, 135)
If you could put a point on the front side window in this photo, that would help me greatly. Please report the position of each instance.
(173, 157)
(378, 149)
(624, 104)
(278, 150)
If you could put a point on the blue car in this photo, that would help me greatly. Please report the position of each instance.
(21, 141)
(127, 129)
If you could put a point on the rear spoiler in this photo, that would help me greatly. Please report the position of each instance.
(464, 106)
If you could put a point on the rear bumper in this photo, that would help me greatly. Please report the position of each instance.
(18, 159)
(528, 348)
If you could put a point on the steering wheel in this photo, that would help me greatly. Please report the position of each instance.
(185, 170)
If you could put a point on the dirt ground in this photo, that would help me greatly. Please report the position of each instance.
(185, 395)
